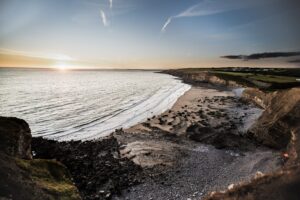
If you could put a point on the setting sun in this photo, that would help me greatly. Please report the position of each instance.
(61, 66)
(149, 99)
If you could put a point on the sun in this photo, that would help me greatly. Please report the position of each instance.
(62, 66)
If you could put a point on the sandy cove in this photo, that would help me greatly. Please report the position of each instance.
(180, 163)
(198, 146)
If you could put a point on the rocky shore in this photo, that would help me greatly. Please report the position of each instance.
(97, 169)
(198, 146)
(245, 147)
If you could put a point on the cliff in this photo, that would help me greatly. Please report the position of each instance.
(195, 78)
(281, 116)
(25, 178)
(278, 127)
(280, 120)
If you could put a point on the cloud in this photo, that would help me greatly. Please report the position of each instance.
(163, 29)
(110, 4)
(52, 56)
(257, 56)
(210, 7)
(103, 17)
(295, 61)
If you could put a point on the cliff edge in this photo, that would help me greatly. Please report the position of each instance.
(25, 178)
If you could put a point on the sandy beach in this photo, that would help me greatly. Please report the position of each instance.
(179, 163)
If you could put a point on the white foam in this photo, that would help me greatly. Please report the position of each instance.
(161, 101)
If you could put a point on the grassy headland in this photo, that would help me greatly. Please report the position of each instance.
(262, 78)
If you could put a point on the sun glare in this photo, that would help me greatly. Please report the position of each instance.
(61, 66)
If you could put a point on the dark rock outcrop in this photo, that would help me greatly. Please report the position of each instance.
(15, 137)
(96, 166)
(219, 139)
(23, 178)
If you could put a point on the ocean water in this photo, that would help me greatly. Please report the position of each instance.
(84, 105)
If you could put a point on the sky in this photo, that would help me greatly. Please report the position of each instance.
(146, 34)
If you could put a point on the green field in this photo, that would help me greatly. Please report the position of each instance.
(264, 78)
(261, 78)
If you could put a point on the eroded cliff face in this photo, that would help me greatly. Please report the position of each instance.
(278, 127)
(275, 126)
(202, 77)
(280, 120)
(25, 178)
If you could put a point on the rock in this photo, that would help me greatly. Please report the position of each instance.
(280, 185)
(15, 137)
(198, 133)
(104, 175)
(27, 178)
(258, 174)
(219, 139)
(282, 116)
(231, 186)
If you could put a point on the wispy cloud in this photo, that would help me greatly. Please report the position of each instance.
(110, 4)
(103, 17)
(210, 7)
(53, 56)
(163, 29)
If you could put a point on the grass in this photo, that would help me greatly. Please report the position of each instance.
(50, 176)
(260, 77)
(253, 77)
(274, 79)
(268, 79)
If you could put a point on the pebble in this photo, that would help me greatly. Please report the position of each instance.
(230, 186)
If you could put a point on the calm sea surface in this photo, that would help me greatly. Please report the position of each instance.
(82, 105)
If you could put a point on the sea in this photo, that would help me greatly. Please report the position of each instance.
(85, 104)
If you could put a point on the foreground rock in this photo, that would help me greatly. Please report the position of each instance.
(15, 137)
(23, 178)
(280, 186)
(96, 166)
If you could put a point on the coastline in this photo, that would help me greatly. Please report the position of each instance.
(163, 147)
(204, 143)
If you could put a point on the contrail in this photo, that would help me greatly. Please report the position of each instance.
(103, 17)
(209, 7)
(163, 29)
(110, 3)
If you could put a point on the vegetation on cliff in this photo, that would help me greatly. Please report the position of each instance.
(24, 178)
(268, 79)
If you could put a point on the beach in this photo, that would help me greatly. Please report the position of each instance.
(183, 165)
(214, 138)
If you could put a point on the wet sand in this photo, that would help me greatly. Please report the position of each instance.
(195, 147)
